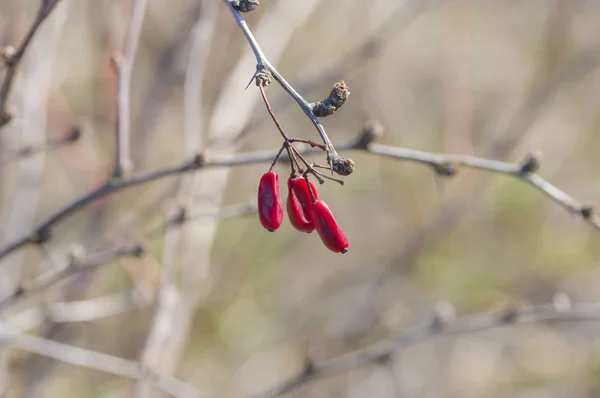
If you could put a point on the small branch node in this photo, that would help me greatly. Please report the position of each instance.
(181, 215)
(443, 314)
(74, 134)
(309, 367)
(370, 132)
(263, 76)
(40, 236)
(531, 163)
(445, 169)
(337, 97)
(509, 316)
(244, 5)
(8, 56)
(586, 211)
(199, 160)
(7, 114)
(117, 62)
(137, 250)
(383, 359)
(76, 254)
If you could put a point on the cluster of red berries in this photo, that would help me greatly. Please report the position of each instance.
(305, 210)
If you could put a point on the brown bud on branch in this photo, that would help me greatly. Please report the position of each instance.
(244, 5)
(338, 96)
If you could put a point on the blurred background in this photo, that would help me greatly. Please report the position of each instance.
(246, 307)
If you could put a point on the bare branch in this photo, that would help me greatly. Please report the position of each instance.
(76, 311)
(123, 65)
(263, 65)
(440, 162)
(429, 329)
(50, 144)
(75, 266)
(97, 361)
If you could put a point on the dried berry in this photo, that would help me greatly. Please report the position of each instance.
(328, 229)
(270, 207)
(299, 202)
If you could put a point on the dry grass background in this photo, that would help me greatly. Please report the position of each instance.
(447, 82)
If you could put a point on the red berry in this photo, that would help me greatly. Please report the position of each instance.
(299, 203)
(270, 208)
(328, 229)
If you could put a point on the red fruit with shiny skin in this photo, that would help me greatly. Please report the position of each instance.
(328, 229)
(270, 207)
(299, 203)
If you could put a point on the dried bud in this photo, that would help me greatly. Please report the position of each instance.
(244, 5)
(531, 163)
(338, 96)
(343, 166)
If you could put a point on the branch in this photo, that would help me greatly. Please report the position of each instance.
(437, 326)
(30, 150)
(76, 311)
(79, 262)
(96, 361)
(396, 21)
(448, 165)
(123, 65)
(263, 65)
(443, 164)
(12, 57)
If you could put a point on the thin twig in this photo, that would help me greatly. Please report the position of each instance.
(123, 64)
(447, 162)
(396, 21)
(29, 150)
(97, 361)
(76, 311)
(81, 263)
(160, 340)
(429, 329)
(167, 301)
(12, 57)
(73, 267)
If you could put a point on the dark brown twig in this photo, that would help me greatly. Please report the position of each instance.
(430, 329)
(12, 57)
